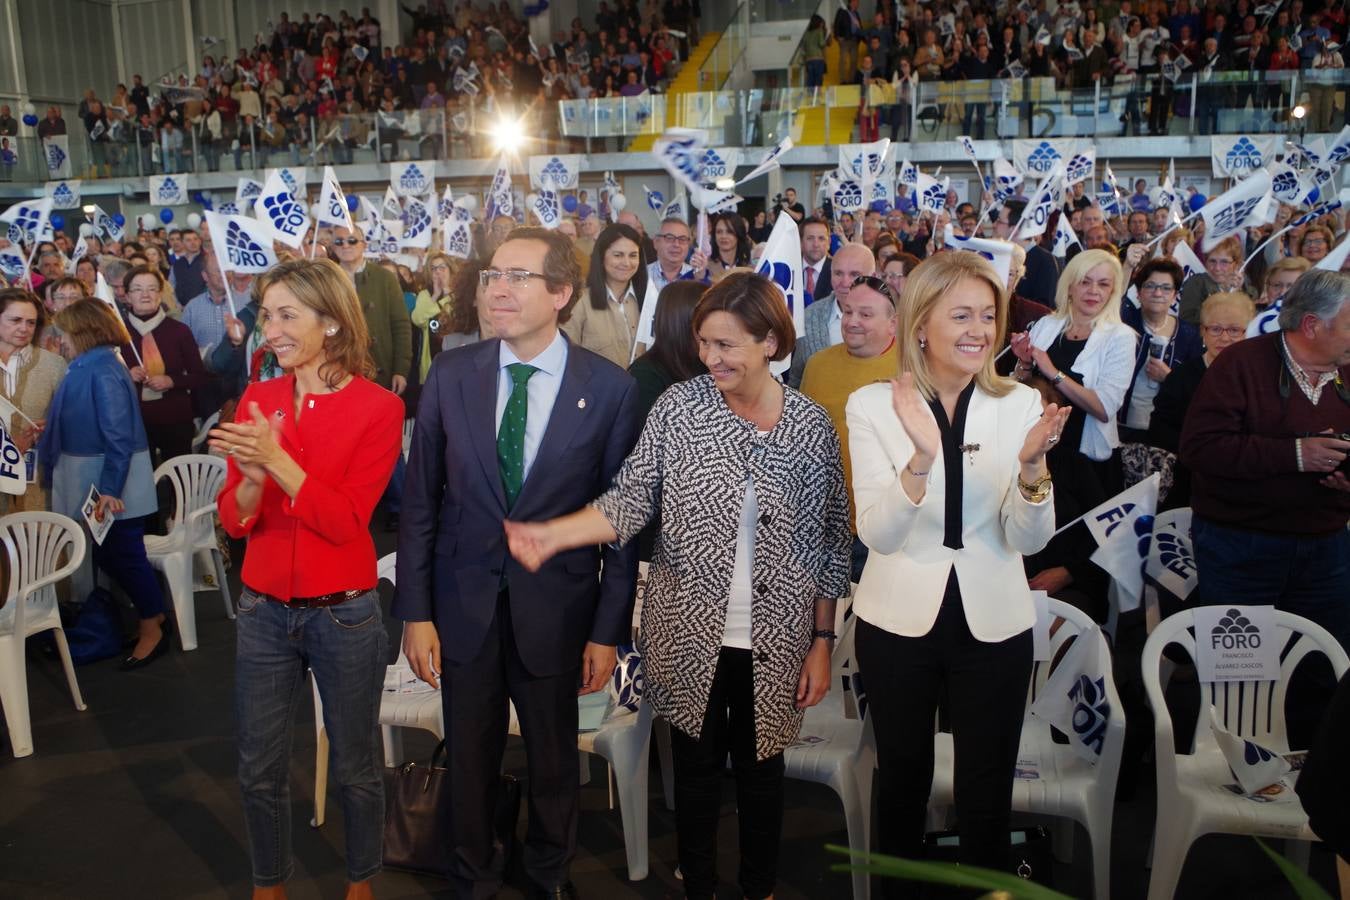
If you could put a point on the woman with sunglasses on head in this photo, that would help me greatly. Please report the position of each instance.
(951, 486)
(1164, 342)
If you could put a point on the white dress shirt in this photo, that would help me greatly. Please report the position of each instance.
(543, 389)
(836, 323)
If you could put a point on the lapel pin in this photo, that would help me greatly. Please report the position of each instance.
(581, 404)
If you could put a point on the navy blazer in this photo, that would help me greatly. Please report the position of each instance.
(452, 555)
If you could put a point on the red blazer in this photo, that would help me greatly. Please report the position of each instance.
(347, 443)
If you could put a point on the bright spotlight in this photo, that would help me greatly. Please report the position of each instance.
(725, 184)
(508, 134)
(1299, 111)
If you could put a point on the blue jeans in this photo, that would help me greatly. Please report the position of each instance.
(393, 492)
(344, 647)
(1306, 576)
(815, 73)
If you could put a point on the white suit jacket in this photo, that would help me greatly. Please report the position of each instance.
(906, 573)
(1107, 367)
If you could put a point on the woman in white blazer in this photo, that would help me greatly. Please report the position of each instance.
(951, 487)
(1085, 351)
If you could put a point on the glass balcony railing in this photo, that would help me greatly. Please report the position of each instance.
(916, 112)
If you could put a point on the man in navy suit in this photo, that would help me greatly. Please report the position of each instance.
(526, 426)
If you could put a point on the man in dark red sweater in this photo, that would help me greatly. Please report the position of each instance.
(1270, 501)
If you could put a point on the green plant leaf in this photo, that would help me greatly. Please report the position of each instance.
(1304, 886)
(944, 873)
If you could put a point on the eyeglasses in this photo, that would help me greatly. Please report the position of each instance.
(1231, 331)
(1157, 287)
(350, 242)
(877, 284)
(674, 238)
(1309, 241)
(514, 277)
(1219, 261)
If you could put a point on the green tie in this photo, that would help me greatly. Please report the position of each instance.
(511, 435)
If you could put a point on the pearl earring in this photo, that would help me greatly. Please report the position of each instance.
(923, 344)
(330, 332)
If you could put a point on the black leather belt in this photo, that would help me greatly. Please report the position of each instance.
(322, 600)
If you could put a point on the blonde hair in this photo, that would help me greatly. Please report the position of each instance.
(1233, 301)
(1288, 264)
(321, 285)
(925, 287)
(1077, 270)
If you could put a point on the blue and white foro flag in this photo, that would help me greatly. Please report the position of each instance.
(246, 190)
(1255, 767)
(781, 263)
(1005, 181)
(1065, 238)
(1236, 209)
(412, 179)
(858, 161)
(56, 150)
(333, 203)
(1266, 321)
(999, 253)
(417, 225)
(656, 201)
(499, 201)
(13, 471)
(930, 195)
(28, 219)
(456, 234)
(556, 172)
(296, 178)
(718, 163)
(1171, 557)
(392, 207)
(1184, 256)
(1036, 217)
(1075, 699)
(678, 206)
(847, 196)
(247, 243)
(13, 262)
(64, 194)
(1082, 166)
(547, 208)
(711, 201)
(168, 190)
(1122, 527)
(445, 207)
(680, 152)
(909, 173)
(278, 208)
(772, 160)
(107, 225)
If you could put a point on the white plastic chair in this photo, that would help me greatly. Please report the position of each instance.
(34, 543)
(1192, 800)
(196, 478)
(1069, 786)
(421, 710)
(847, 757)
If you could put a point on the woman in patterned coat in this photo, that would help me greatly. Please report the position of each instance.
(752, 555)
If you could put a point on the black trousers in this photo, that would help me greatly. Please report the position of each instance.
(475, 696)
(983, 688)
(728, 726)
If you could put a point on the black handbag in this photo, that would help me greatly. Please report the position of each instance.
(1030, 853)
(417, 818)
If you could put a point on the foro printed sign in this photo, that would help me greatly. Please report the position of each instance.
(1236, 643)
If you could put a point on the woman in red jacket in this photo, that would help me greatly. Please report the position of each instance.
(165, 364)
(309, 456)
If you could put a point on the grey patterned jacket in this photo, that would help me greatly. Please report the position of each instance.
(691, 463)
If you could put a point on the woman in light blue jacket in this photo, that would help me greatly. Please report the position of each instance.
(95, 438)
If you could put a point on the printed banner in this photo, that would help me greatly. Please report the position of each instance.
(64, 194)
(168, 190)
(278, 207)
(1038, 156)
(412, 179)
(719, 163)
(781, 263)
(56, 149)
(556, 172)
(296, 178)
(1240, 155)
(247, 242)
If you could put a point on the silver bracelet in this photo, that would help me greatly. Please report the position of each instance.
(916, 474)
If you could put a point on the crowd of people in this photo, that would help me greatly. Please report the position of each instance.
(1150, 51)
(1119, 363)
(316, 89)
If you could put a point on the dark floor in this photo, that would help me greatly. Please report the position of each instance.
(136, 797)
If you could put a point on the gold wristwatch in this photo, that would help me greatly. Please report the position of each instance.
(1035, 491)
